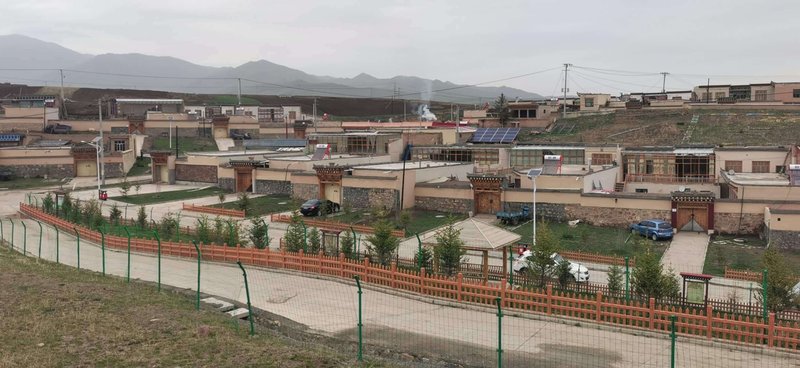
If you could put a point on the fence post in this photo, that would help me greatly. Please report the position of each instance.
(197, 298)
(128, 277)
(709, 320)
(499, 333)
(652, 312)
(24, 237)
(394, 274)
(41, 232)
(341, 264)
(764, 309)
(627, 279)
(158, 239)
(771, 330)
(102, 248)
(360, 325)
(366, 269)
(511, 267)
(57, 243)
(460, 284)
(422, 273)
(548, 309)
(673, 336)
(78, 235)
(247, 293)
(599, 307)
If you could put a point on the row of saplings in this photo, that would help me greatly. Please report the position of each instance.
(218, 230)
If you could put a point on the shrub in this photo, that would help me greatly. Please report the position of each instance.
(258, 233)
(168, 226)
(218, 233)
(244, 203)
(203, 230)
(449, 249)
(141, 218)
(615, 279)
(125, 186)
(115, 214)
(48, 203)
(314, 241)
(348, 245)
(295, 235)
(382, 244)
(233, 233)
(649, 280)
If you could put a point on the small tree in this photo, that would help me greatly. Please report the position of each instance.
(314, 241)
(500, 108)
(115, 214)
(233, 233)
(258, 233)
(426, 256)
(91, 214)
(48, 203)
(75, 213)
(218, 232)
(66, 206)
(615, 279)
(348, 245)
(125, 186)
(382, 244)
(563, 274)
(244, 202)
(405, 219)
(780, 281)
(649, 280)
(449, 249)
(540, 262)
(221, 197)
(203, 230)
(168, 225)
(141, 218)
(137, 188)
(294, 239)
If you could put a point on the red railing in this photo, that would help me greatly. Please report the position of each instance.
(333, 225)
(698, 322)
(742, 275)
(654, 178)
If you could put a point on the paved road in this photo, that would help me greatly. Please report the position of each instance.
(686, 252)
(329, 307)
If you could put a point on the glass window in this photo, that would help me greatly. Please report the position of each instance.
(119, 145)
(796, 93)
(736, 166)
(589, 102)
(760, 166)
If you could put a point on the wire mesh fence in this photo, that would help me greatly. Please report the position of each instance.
(418, 318)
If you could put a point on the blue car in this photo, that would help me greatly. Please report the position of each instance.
(653, 229)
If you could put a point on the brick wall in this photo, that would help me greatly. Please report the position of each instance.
(273, 187)
(450, 205)
(546, 211)
(227, 184)
(607, 216)
(729, 223)
(114, 170)
(785, 240)
(305, 191)
(34, 171)
(196, 173)
(361, 198)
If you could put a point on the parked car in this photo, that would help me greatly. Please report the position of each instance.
(317, 207)
(238, 135)
(653, 229)
(579, 272)
(58, 129)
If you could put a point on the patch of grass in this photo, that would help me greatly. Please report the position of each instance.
(597, 239)
(169, 196)
(26, 183)
(723, 251)
(264, 205)
(141, 167)
(420, 221)
(185, 144)
(56, 316)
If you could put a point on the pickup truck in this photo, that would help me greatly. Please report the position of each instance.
(509, 217)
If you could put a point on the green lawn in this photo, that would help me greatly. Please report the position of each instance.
(26, 183)
(596, 239)
(141, 167)
(169, 196)
(723, 251)
(264, 205)
(420, 222)
(185, 144)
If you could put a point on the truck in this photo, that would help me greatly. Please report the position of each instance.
(513, 217)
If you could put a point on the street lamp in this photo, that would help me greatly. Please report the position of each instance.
(533, 174)
(95, 143)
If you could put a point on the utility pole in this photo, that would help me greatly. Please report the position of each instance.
(708, 90)
(63, 103)
(239, 94)
(404, 109)
(394, 94)
(314, 115)
(564, 111)
(664, 82)
(102, 168)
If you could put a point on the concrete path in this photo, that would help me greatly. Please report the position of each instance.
(408, 324)
(686, 252)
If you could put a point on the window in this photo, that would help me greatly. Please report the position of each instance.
(641, 190)
(736, 166)
(761, 95)
(796, 93)
(589, 102)
(648, 166)
(601, 159)
(760, 166)
(718, 95)
(119, 145)
(527, 158)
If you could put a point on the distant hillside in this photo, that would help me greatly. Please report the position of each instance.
(258, 77)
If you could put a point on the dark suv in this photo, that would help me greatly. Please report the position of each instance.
(58, 129)
(317, 207)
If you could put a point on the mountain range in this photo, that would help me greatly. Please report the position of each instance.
(138, 71)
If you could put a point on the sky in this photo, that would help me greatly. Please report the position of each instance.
(614, 46)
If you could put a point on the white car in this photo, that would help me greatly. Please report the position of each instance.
(579, 272)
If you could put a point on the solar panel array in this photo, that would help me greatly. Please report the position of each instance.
(494, 135)
(10, 137)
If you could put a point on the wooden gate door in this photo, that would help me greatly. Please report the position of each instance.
(692, 217)
(244, 180)
(488, 202)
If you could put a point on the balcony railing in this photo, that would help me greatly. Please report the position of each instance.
(653, 178)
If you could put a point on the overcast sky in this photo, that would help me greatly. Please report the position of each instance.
(462, 41)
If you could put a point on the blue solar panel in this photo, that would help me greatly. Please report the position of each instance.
(10, 137)
(495, 135)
